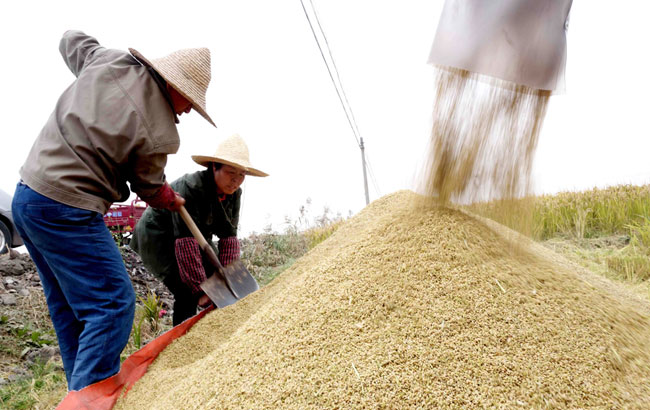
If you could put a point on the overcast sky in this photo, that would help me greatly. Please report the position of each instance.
(270, 85)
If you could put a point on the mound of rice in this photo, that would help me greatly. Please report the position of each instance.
(401, 308)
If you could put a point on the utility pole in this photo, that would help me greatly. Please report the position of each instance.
(339, 90)
(363, 164)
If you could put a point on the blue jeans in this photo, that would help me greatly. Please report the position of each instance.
(88, 291)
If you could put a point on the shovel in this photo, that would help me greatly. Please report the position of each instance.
(229, 283)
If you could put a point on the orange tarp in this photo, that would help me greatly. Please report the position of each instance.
(104, 394)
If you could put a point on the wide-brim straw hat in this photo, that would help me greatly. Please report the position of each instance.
(232, 151)
(188, 71)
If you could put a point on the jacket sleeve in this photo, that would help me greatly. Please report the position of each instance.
(229, 250)
(147, 174)
(190, 264)
(78, 50)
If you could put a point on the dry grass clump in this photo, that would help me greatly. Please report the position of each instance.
(619, 209)
(403, 309)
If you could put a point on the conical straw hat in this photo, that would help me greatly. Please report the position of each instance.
(188, 71)
(232, 151)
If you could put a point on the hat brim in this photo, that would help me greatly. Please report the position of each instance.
(205, 161)
(195, 106)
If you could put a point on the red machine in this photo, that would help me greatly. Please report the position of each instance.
(121, 219)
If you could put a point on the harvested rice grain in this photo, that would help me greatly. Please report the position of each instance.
(403, 309)
(483, 138)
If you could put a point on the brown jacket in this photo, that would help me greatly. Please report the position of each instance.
(112, 125)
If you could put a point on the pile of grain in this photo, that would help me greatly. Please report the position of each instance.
(483, 138)
(403, 309)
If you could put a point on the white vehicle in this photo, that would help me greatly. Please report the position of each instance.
(9, 237)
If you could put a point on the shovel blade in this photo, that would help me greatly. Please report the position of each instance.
(218, 292)
(239, 279)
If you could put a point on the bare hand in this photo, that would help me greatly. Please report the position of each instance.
(204, 301)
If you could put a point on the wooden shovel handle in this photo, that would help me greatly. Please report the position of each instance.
(203, 244)
(193, 228)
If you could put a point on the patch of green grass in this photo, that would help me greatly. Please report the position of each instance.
(45, 388)
(33, 337)
(17, 338)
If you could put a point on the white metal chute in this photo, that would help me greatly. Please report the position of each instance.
(521, 41)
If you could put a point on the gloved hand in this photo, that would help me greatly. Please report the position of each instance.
(166, 198)
(176, 203)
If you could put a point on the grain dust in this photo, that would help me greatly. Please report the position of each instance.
(403, 309)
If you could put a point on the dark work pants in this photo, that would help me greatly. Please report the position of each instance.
(185, 303)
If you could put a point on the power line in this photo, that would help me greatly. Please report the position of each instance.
(330, 72)
(340, 92)
(329, 50)
(349, 107)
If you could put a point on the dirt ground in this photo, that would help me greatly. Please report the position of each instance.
(26, 332)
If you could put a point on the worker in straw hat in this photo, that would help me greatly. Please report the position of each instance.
(116, 123)
(166, 245)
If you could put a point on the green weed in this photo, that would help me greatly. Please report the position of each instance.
(151, 307)
(148, 312)
(33, 337)
(137, 333)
